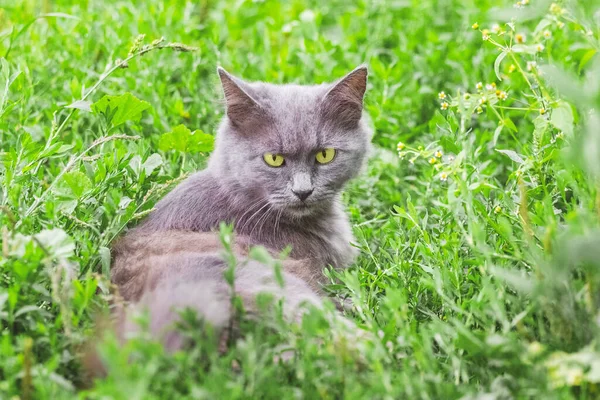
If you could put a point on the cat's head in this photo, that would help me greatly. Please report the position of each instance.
(293, 146)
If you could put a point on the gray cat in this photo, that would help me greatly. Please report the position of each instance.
(282, 157)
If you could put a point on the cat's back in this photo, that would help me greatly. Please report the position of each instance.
(197, 204)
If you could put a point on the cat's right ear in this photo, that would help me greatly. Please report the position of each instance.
(242, 109)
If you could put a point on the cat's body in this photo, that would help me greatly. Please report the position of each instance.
(174, 258)
(201, 203)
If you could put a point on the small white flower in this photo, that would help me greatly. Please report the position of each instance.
(307, 16)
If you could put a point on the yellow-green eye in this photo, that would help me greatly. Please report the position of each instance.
(325, 156)
(273, 160)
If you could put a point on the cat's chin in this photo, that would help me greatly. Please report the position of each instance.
(299, 212)
(302, 210)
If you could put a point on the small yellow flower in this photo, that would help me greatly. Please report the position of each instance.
(531, 65)
(443, 177)
(400, 146)
(512, 68)
(432, 160)
(438, 154)
(485, 34)
(501, 94)
(520, 38)
(560, 135)
(497, 210)
(524, 2)
(555, 9)
(547, 34)
(543, 111)
(441, 95)
(519, 4)
(467, 96)
(574, 376)
(479, 110)
(475, 26)
(444, 106)
(535, 348)
(539, 47)
(482, 100)
(479, 86)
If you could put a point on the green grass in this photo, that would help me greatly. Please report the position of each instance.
(479, 274)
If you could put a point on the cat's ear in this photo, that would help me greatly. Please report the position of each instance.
(242, 109)
(344, 101)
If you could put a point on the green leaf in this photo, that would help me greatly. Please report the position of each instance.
(497, 134)
(151, 163)
(586, 58)
(524, 48)
(512, 155)
(56, 242)
(119, 109)
(73, 184)
(509, 124)
(82, 105)
(449, 144)
(105, 259)
(566, 83)
(498, 62)
(182, 139)
(260, 254)
(562, 118)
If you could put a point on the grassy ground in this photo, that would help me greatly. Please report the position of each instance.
(477, 219)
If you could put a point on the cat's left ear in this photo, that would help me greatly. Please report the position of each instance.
(344, 101)
(242, 109)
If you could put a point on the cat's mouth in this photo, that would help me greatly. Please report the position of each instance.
(301, 208)
(296, 207)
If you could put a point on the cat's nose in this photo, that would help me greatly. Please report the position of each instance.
(302, 194)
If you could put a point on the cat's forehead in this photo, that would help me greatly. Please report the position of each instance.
(294, 112)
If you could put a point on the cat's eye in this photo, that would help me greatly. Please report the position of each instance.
(325, 156)
(273, 160)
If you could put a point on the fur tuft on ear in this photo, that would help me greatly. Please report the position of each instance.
(242, 109)
(343, 103)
